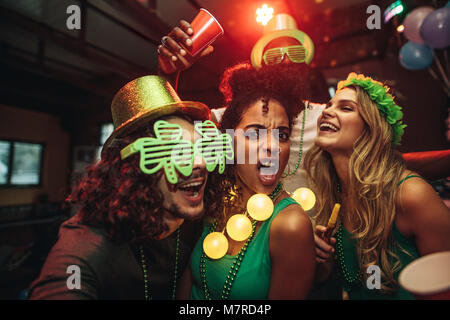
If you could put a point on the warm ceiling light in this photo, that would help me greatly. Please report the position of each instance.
(400, 28)
(264, 14)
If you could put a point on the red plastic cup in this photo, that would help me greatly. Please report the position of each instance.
(206, 30)
(428, 278)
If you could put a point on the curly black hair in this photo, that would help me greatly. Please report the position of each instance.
(116, 196)
(242, 85)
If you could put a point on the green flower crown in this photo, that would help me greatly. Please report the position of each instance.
(378, 93)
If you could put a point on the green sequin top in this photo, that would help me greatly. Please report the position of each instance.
(358, 290)
(253, 278)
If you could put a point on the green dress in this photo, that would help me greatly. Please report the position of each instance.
(357, 290)
(253, 278)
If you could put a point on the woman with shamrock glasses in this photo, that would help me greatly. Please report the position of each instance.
(275, 259)
(389, 215)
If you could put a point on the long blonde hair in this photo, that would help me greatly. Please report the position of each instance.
(375, 168)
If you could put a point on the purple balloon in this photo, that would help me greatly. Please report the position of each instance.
(435, 29)
(414, 21)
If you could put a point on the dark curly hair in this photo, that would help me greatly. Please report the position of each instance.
(242, 85)
(116, 196)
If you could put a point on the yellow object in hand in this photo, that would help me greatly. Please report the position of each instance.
(334, 215)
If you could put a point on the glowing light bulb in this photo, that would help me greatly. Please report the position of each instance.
(215, 245)
(305, 197)
(400, 28)
(260, 207)
(264, 14)
(239, 227)
(399, 9)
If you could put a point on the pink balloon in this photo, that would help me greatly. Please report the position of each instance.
(414, 21)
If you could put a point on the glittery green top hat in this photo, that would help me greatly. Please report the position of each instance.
(281, 25)
(145, 99)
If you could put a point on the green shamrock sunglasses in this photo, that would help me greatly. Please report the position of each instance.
(170, 152)
(296, 54)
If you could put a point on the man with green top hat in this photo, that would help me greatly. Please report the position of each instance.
(139, 207)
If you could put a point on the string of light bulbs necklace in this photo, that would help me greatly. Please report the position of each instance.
(241, 254)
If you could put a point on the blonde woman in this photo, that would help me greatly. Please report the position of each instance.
(389, 215)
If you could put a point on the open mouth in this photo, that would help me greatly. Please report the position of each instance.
(328, 127)
(192, 190)
(267, 171)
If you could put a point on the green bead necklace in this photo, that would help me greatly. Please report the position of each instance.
(237, 260)
(147, 293)
(340, 251)
(234, 268)
(274, 194)
(300, 153)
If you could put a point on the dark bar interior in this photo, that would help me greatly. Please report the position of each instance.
(58, 80)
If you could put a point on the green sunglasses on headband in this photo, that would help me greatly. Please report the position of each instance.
(297, 54)
(170, 152)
